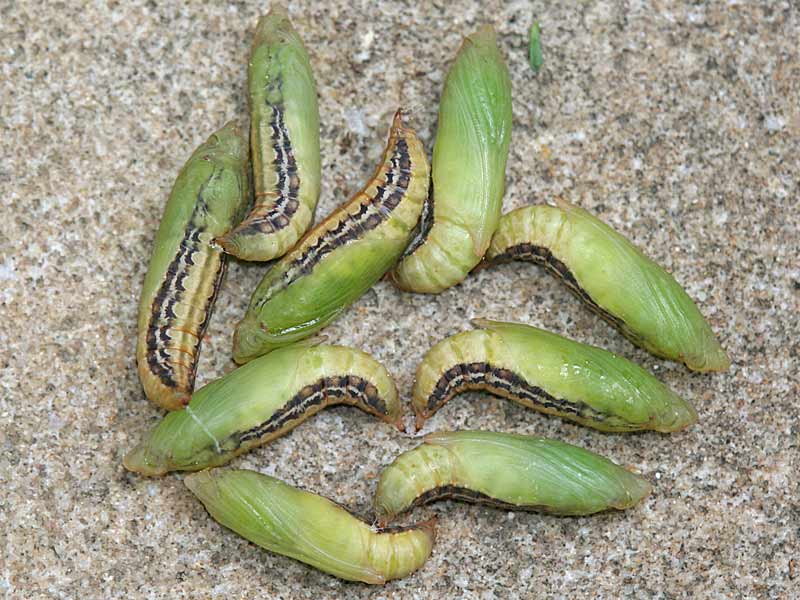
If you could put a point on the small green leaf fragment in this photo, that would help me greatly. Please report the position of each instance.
(535, 48)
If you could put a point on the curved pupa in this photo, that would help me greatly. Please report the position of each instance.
(284, 137)
(310, 528)
(261, 401)
(551, 374)
(468, 168)
(341, 257)
(210, 195)
(613, 278)
(514, 472)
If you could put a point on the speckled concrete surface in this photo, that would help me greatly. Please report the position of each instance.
(677, 124)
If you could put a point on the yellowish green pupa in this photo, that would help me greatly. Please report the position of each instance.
(310, 528)
(468, 169)
(613, 278)
(284, 141)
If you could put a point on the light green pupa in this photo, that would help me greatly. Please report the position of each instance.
(548, 373)
(261, 401)
(613, 278)
(468, 170)
(284, 141)
(310, 528)
(514, 472)
(209, 196)
(343, 256)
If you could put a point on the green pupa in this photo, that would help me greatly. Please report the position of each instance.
(263, 400)
(284, 140)
(549, 373)
(514, 472)
(468, 169)
(310, 528)
(186, 269)
(341, 257)
(613, 278)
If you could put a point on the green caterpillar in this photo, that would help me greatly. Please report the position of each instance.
(468, 167)
(209, 196)
(261, 401)
(310, 528)
(515, 472)
(284, 137)
(613, 278)
(549, 373)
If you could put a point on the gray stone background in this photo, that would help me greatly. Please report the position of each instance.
(676, 123)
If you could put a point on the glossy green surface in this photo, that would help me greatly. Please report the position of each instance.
(310, 303)
(308, 527)
(284, 140)
(601, 390)
(208, 432)
(209, 196)
(341, 257)
(656, 312)
(468, 167)
(214, 174)
(514, 471)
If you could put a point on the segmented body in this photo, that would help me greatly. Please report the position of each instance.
(262, 401)
(343, 256)
(284, 137)
(543, 257)
(186, 268)
(176, 323)
(550, 374)
(483, 375)
(465, 494)
(613, 278)
(468, 168)
(347, 389)
(512, 472)
(310, 528)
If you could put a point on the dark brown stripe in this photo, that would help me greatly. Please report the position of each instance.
(542, 256)
(425, 224)
(330, 390)
(503, 382)
(391, 529)
(463, 494)
(170, 293)
(370, 215)
(288, 186)
(454, 492)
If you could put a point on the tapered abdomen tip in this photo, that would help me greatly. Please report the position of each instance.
(687, 416)
(677, 416)
(717, 362)
(246, 341)
(638, 489)
(197, 482)
(140, 460)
